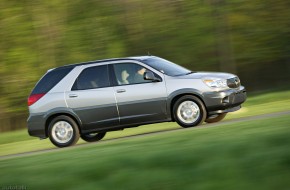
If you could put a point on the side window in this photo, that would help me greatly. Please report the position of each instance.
(50, 79)
(92, 77)
(129, 73)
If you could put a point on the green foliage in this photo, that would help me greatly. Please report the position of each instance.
(250, 38)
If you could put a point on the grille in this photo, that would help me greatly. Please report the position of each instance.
(234, 82)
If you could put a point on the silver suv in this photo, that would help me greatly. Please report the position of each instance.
(89, 99)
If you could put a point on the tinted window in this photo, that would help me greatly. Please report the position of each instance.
(166, 67)
(129, 73)
(50, 79)
(92, 77)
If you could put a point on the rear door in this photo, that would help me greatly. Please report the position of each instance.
(138, 100)
(92, 98)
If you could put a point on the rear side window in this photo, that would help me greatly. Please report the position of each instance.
(92, 77)
(50, 79)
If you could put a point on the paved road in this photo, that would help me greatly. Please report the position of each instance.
(251, 118)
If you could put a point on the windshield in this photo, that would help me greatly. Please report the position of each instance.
(166, 67)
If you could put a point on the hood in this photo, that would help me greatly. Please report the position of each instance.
(200, 75)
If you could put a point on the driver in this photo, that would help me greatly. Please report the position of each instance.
(139, 76)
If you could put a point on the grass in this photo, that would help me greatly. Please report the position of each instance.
(19, 141)
(33, 144)
(263, 103)
(246, 155)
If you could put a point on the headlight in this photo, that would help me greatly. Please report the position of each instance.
(215, 82)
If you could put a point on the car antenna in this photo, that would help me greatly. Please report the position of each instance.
(148, 53)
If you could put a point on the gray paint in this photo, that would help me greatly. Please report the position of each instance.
(200, 75)
(36, 125)
(214, 100)
(95, 107)
(37, 122)
(145, 101)
(118, 107)
(142, 111)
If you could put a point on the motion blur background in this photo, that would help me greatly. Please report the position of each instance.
(250, 38)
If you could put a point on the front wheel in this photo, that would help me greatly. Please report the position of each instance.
(189, 111)
(63, 131)
(93, 137)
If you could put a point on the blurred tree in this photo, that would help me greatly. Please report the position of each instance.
(222, 36)
(247, 37)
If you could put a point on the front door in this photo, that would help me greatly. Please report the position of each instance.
(139, 101)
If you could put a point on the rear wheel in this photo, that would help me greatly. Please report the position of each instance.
(217, 118)
(189, 111)
(93, 137)
(63, 131)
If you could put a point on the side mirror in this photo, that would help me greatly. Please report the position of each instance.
(149, 75)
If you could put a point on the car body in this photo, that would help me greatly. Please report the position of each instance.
(92, 98)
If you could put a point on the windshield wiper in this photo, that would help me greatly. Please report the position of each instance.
(189, 73)
(183, 74)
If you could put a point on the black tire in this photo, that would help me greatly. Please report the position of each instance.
(93, 137)
(218, 118)
(199, 111)
(62, 124)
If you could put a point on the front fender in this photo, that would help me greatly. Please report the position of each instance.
(173, 96)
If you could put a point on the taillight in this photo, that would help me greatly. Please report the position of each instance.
(34, 98)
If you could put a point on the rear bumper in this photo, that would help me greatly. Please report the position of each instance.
(225, 101)
(36, 126)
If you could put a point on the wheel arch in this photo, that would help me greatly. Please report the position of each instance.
(53, 114)
(173, 97)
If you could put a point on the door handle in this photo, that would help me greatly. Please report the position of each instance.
(72, 95)
(121, 90)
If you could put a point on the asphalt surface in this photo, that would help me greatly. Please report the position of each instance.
(250, 118)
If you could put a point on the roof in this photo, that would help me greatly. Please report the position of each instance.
(136, 58)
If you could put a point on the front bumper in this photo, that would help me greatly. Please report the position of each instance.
(225, 101)
(36, 126)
